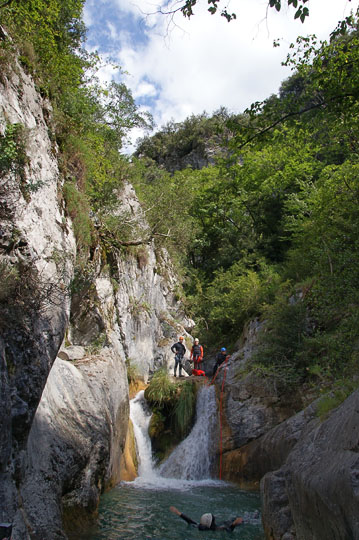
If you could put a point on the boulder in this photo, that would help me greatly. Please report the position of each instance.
(319, 481)
(75, 445)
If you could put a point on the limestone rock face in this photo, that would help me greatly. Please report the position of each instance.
(53, 466)
(135, 306)
(37, 245)
(319, 491)
(75, 444)
(252, 408)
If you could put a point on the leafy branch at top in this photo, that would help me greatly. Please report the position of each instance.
(187, 8)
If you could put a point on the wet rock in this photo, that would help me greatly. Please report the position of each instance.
(319, 486)
(33, 323)
(76, 443)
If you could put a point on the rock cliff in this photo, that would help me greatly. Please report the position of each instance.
(37, 251)
(54, 464)
(307, 469)
(314, 494)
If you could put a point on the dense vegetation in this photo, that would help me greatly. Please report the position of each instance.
(89, 123)
(268, 230)
(271, 229)
(173, 408)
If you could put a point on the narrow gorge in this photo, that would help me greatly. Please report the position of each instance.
(92, 298)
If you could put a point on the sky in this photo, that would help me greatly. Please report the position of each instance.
(178, 67)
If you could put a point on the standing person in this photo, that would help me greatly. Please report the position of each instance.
(208, 522)
(180, 350)
(197, 354)
(220, 358)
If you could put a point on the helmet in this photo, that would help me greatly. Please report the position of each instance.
(206, 520)
(223, 349)
(196, 340)
(181, 338)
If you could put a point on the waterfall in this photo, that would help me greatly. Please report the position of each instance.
(190, 463)
(140, 415)
(193, 457)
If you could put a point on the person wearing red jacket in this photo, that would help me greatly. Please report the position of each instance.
(196, 354)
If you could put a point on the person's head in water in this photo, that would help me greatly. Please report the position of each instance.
(207, 521)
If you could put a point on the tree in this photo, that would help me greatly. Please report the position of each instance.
(187, 8)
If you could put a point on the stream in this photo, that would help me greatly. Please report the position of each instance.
(139, 510)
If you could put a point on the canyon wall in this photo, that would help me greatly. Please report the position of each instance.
(66, 351)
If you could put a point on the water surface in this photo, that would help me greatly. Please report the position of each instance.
(139, 510)
(131, 512)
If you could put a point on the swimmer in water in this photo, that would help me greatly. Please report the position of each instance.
(208, 522)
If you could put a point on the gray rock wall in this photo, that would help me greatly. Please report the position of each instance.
(37, 242)
(53, 466)
(307, 470)
(252, 408)
(319, 481)
(75, 445)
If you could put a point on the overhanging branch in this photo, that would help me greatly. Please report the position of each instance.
(291, 115)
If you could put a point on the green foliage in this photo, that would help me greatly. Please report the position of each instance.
(9, 279)
(48, 32)
(184, 408)
(187, 8)
(79, 208)
(166, 200)
(137, 306)
(13, 157)
(176, 141)
(285, 329)
(97, 344)
(161, 389)
(234, 296)
(341, 390)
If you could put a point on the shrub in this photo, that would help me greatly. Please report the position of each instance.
(161, 389)
(13, 157)
(9, 279)
(184, 408)
(79, 210)
(343, 388)
(278, 345)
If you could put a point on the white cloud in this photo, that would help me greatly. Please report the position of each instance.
(144, 89)
(205, 62)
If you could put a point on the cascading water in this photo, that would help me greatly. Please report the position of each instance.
(140, 509)
(193, 458)
(140, 415)
(191, 461)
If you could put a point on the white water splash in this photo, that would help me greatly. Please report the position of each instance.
(193, 458)
(140, 415)
(190, 463)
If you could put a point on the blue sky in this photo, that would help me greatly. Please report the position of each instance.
(180, 67)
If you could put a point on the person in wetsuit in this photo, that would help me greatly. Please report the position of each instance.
(179, 350)
(220, 358)
(197, 354)
(208, 522)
